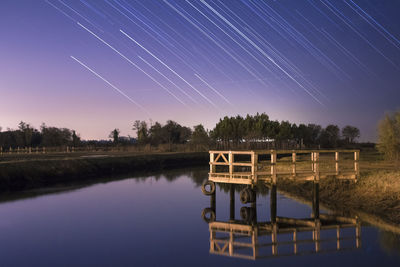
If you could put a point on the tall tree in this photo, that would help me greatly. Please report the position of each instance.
(142, 131)
(350, 133)
(115, 135)
(200, 136)
(389, 136)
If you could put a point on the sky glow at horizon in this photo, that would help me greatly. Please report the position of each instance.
(323, 62)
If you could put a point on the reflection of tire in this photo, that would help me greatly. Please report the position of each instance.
(247, 214)
(204, 188)
(206, 211)
(247, 196)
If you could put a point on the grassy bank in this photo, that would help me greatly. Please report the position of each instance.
(377, 191)
(40, 172)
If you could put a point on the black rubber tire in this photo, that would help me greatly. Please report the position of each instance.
(212, 188)
(244, 196)
(247, 214)
(204, 215)
(247, 195)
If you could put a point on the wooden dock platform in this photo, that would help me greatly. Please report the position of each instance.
(251, 167)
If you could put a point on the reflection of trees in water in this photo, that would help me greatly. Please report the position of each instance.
(197, 175)
(261, 188)
(390, 242)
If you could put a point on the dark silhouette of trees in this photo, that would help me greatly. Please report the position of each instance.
(350, 134)
(251, 131)
(114, 135)
(330, 136)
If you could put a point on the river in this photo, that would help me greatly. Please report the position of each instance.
(157, 221)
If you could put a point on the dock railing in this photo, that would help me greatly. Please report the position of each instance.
(250, 167)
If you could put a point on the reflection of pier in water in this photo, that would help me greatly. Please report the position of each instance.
(248, 238)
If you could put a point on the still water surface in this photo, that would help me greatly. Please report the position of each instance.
(156, 221)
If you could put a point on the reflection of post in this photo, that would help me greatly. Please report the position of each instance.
(273, 203)
(358, 235)
(232, 202)
(338, 237)
(254, 240)
(315, 202)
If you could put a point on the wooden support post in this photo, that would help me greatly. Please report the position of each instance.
(212, 166)
(295, 240)
(44, 150)
(294, 164)
(231, 160)
(1, 150)
(356, 164)
(312, 161)
(254, 166)
(337, 162)
(273, 167)
(316, 166)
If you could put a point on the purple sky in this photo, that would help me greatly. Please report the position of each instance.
(303, 61)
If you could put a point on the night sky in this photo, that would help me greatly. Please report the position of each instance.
(98, 65)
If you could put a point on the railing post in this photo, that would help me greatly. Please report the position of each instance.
(273, 166)
(230, 159)
(356, 164)
(294, 164)
(312, 161)
(254, 165)
(316, 166)
(337, 162)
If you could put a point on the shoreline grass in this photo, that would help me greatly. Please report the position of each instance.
(26, 174)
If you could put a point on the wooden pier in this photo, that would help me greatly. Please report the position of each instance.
(251, 167)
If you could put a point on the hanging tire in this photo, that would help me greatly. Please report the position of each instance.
(208, 215)
(247, 196)
(204, 188)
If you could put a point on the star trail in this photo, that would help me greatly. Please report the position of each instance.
(311, 61)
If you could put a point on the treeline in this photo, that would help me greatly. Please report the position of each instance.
(256, 131)
(252, 131)
(28, 136)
